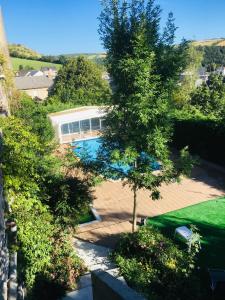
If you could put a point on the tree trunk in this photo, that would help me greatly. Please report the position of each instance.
(134, 225)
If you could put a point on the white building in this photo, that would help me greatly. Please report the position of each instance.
(79, 123)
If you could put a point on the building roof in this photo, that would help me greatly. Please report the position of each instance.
(21, 73)
(34, 72)
(43, 69)
(30, 83)
(78, 114)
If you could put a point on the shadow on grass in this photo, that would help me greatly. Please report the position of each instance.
(212, 242)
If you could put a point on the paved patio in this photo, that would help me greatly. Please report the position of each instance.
(114, 203)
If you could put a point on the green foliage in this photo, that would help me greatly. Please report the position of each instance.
(213, 55)
(69, 199)
(35, 116)
(182, 93)
(209, 98)
(22, 159)
(145, 67)
(155, 266)
(65, 266)
(205, 137)
(35, 234)
(79, 81)
(30, 171)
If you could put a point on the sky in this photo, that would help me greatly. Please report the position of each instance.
(71, 26)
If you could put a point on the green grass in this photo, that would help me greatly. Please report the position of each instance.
(209, 217)
(88, 217)
(35, 64)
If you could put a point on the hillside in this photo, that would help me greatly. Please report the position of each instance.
(21, 51)
(31, 64)
(220, 42)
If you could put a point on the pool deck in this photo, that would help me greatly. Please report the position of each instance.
(114, 203)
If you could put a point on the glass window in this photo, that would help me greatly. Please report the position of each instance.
(74, 127)
(85, 125)
(95, 124)
(65, 128)
(103, 124)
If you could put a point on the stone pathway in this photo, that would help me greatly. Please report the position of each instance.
(95, 257)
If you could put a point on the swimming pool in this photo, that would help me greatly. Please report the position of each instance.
(87, 150)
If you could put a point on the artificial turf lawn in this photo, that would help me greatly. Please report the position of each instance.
(209, 217)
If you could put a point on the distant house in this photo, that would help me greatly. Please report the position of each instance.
(203, 76)
(50, 72)
(221, 70)
(29, 73)
(37, 87)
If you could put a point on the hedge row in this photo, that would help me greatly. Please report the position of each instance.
(205, 138)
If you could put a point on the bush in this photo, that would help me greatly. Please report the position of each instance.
(46, 289)
(204, 137)
(155, 266)
(43, 245)
(80, 81)
(35, 237)
(69, 199)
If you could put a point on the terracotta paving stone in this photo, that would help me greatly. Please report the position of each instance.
(114, 203)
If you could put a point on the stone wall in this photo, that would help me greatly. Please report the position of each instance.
(4, 255)
(41, 93)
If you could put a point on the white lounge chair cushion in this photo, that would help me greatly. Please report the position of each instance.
(184, 232)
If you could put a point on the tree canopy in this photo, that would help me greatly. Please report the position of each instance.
(145, 65)
(210, 97)
(80, 81)
(187, 85)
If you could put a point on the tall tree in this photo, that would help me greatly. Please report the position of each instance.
(80, 81)
(145, 66)
(188, 83)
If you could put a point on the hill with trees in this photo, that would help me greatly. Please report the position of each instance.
(213, 52)
(21, 51)
(220, 42)
(23, 56)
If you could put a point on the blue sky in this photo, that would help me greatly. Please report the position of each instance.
(70, 26)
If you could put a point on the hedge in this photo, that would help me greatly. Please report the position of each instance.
(205, 138)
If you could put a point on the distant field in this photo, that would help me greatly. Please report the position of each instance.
(35, 64)
(210, 42)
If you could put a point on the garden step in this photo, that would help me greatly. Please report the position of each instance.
(85, 281)
(82, 294)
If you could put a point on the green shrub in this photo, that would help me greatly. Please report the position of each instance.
(46, 289)
(35, 236)
(65, 266)
(69, 199)
(204, 137)
(155, 266)
(44, 248)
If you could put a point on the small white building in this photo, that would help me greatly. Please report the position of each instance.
(78, 123)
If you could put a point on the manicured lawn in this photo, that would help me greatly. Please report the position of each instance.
(209, 217)
(16, 62)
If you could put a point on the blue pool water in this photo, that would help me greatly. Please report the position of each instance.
(88, 149)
